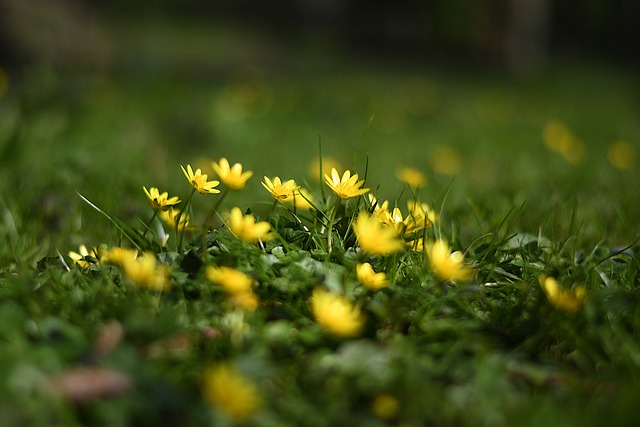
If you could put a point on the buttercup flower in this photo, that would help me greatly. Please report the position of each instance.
(284, 191)
(231, 176)
(170, 216)
(410, 176)
(446, 265)
(119, 255)
(198, 180)
(247, 301)
(231, 393)
(144, 271)
(232, 280)
(565, 299)
(83, 258)
(245, 227)
(374, 237)
(301, 199)
(346, 187)
(420, 215)
(159, 201)
(236, 283)
(335, 314)
(369, 278)
(385, 407)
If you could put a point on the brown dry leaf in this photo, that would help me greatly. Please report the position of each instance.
(86, 384)
(108, 339)
(176, 345)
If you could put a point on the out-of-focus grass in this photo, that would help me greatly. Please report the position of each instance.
(189, 92)
(478, 137)
(492, 351)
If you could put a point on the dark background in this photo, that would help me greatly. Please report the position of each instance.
(522, 35)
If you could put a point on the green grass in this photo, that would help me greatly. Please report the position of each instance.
(489, 351)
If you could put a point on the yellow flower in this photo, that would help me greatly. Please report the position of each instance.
(244, 227)
(160, 201)
(445, 160)
(231, 176)
(420, 215)
(565, 299)
(247, 301)
(84, 258)
(170, 216)
(282, 191)
(374, 237)
(144, 271)
(335, 314)
(622, 155)
(410, 176)
(346, 187)
(558, 137)
(232, 280)
(394, 219)
(385, 407)
(328, 163)
(198, 181)
(301, 200)
(446, 265)
(231, 393)
(416, 245)
(369, 278)
(119, 255)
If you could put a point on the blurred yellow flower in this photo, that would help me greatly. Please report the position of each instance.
(369, 278)
(245, 227)
(231, 176)
(160, 201)
(236, 283)
(83, 258)
(374, 237)
(559, 138)
(445, 160)
(622, 155)
(170, 216)
(446, 265)
(144, 271)
(302, 199)
(119, 255)
(231, 393)
(346, 187)
(198, 181)
(393, 219)
(385, 407)
(328, 163)
(247, 301)
(411, 176)
(232, 280)
(416, 245)
(565, 299)
(279, 190)
(420, 216)
(336, 314)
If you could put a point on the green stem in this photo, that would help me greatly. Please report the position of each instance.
(148, 224)
(207, 223)
(180, 234)
(273, 207)
(330, 226)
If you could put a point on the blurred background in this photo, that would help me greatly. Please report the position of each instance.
(500, 104)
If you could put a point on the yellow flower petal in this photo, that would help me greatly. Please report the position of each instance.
(335, 314)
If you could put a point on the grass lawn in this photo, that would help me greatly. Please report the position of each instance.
(510, 298)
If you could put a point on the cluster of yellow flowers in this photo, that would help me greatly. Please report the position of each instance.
(380, 232)
(141, 268)
(236, 283)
